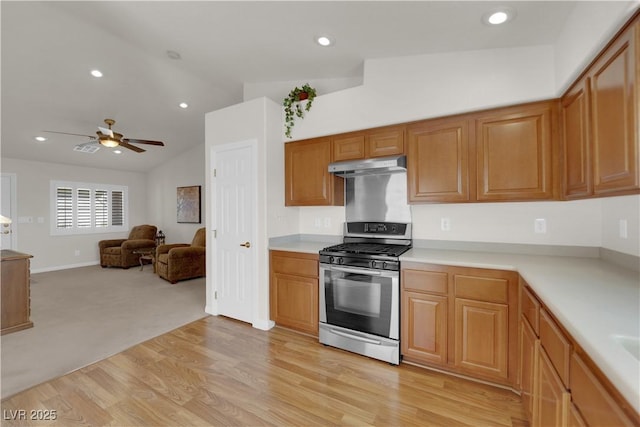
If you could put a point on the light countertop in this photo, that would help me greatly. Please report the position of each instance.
(593, 299)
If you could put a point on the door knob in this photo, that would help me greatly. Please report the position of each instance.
(246, 244)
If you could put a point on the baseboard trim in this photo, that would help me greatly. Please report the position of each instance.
(64, 267)
(264, 325)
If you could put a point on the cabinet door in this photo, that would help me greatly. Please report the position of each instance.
(481, 338)
(294, 302)
(577, 156)
(514, 158)
(553, 398)
(438, 161)
(614, 113)
(594, 402)
(575, 419)
(307, 178)
(385, 142)
(348, 147)
(424, 327)
(528, 366)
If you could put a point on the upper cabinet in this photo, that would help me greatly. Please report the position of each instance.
(514, 153)
(504, 154)
(600, 115)
(307, 178)
(438, 161)
(378, 142)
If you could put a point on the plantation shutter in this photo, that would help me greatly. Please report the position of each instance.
(102, 208)
(64, 207)
(84, 207)
(117, 208)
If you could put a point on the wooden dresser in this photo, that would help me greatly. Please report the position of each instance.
(16, 292)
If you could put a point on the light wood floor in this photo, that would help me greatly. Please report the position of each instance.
(217, 371)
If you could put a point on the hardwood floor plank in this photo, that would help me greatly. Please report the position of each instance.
(218, 371)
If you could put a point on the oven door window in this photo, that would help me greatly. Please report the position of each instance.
(359, 302)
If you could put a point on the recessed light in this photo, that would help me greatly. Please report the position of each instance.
(324, 41)
(183, 105)
(96, 73)
(117, 151)
(498, 16)
(40, 138)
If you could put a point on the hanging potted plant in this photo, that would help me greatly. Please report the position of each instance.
(293, 105)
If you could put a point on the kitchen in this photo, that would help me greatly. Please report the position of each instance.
(472, 226)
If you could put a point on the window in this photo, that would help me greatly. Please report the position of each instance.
(88, 208)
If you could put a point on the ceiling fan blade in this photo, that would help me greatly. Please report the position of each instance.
(143, 141)
(131, 147)
(105, 131)
(67, 133)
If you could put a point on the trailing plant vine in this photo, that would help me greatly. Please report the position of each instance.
(293, 105)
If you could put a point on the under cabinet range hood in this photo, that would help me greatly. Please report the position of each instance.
(381, 165)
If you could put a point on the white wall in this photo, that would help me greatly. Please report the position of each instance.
(259, 120)
(277, 91)
(33, 192)
(588, 29)
(162, 183)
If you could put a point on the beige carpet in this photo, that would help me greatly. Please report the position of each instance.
(83, 315)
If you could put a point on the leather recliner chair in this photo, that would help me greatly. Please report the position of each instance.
(120, 252)
(181, 261)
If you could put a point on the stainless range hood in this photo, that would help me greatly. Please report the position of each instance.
(381, 165)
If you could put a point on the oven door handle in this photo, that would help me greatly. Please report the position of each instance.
(355, 337)
(357, 271)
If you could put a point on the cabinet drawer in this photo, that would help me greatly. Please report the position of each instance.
(556, 345)
(348, 147)
(481, 288)
(530, 309)
(295, 263)
(593, 401)
(425, 281)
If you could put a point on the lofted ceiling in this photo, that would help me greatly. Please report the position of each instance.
(49, 48)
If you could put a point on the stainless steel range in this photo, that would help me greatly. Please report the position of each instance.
(360, 278)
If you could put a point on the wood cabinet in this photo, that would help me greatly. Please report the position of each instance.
(591, 398)
(601, 122)
(438, 161)
(16, 292)
(558, 381)
(482, 322)
(348, 147)
(503, 154)
(424, 319)
(514, 153)
(383, 142)
(614, 111)
(293, 294)
(577, 148)
(553, 399)
(367, 144)
(307, 178)
(460, 319)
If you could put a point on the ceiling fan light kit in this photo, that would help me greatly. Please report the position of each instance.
(111, 139)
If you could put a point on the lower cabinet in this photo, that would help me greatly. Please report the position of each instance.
(558, 387)
(293, 295)
(463, 320)
(553, 399)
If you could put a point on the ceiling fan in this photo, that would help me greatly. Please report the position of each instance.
(109, 138)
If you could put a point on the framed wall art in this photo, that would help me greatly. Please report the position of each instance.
(189, 204)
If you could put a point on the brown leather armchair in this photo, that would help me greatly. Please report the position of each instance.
(181, 261)
(119, 252)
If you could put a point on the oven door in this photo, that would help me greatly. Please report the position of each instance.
(360, 299)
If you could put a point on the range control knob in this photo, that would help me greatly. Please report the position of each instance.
(384, 265)
(340, 260)
(373, 264)
(331, 259)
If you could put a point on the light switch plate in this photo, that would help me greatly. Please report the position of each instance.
(540, 226)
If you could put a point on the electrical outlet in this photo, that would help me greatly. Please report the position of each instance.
(317, 223)
(77, 252)
(445, 224)
(540, 226)
(327, 222)
(622, 225)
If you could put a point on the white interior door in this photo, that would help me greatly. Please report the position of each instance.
(235, 224)
(8, 209)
